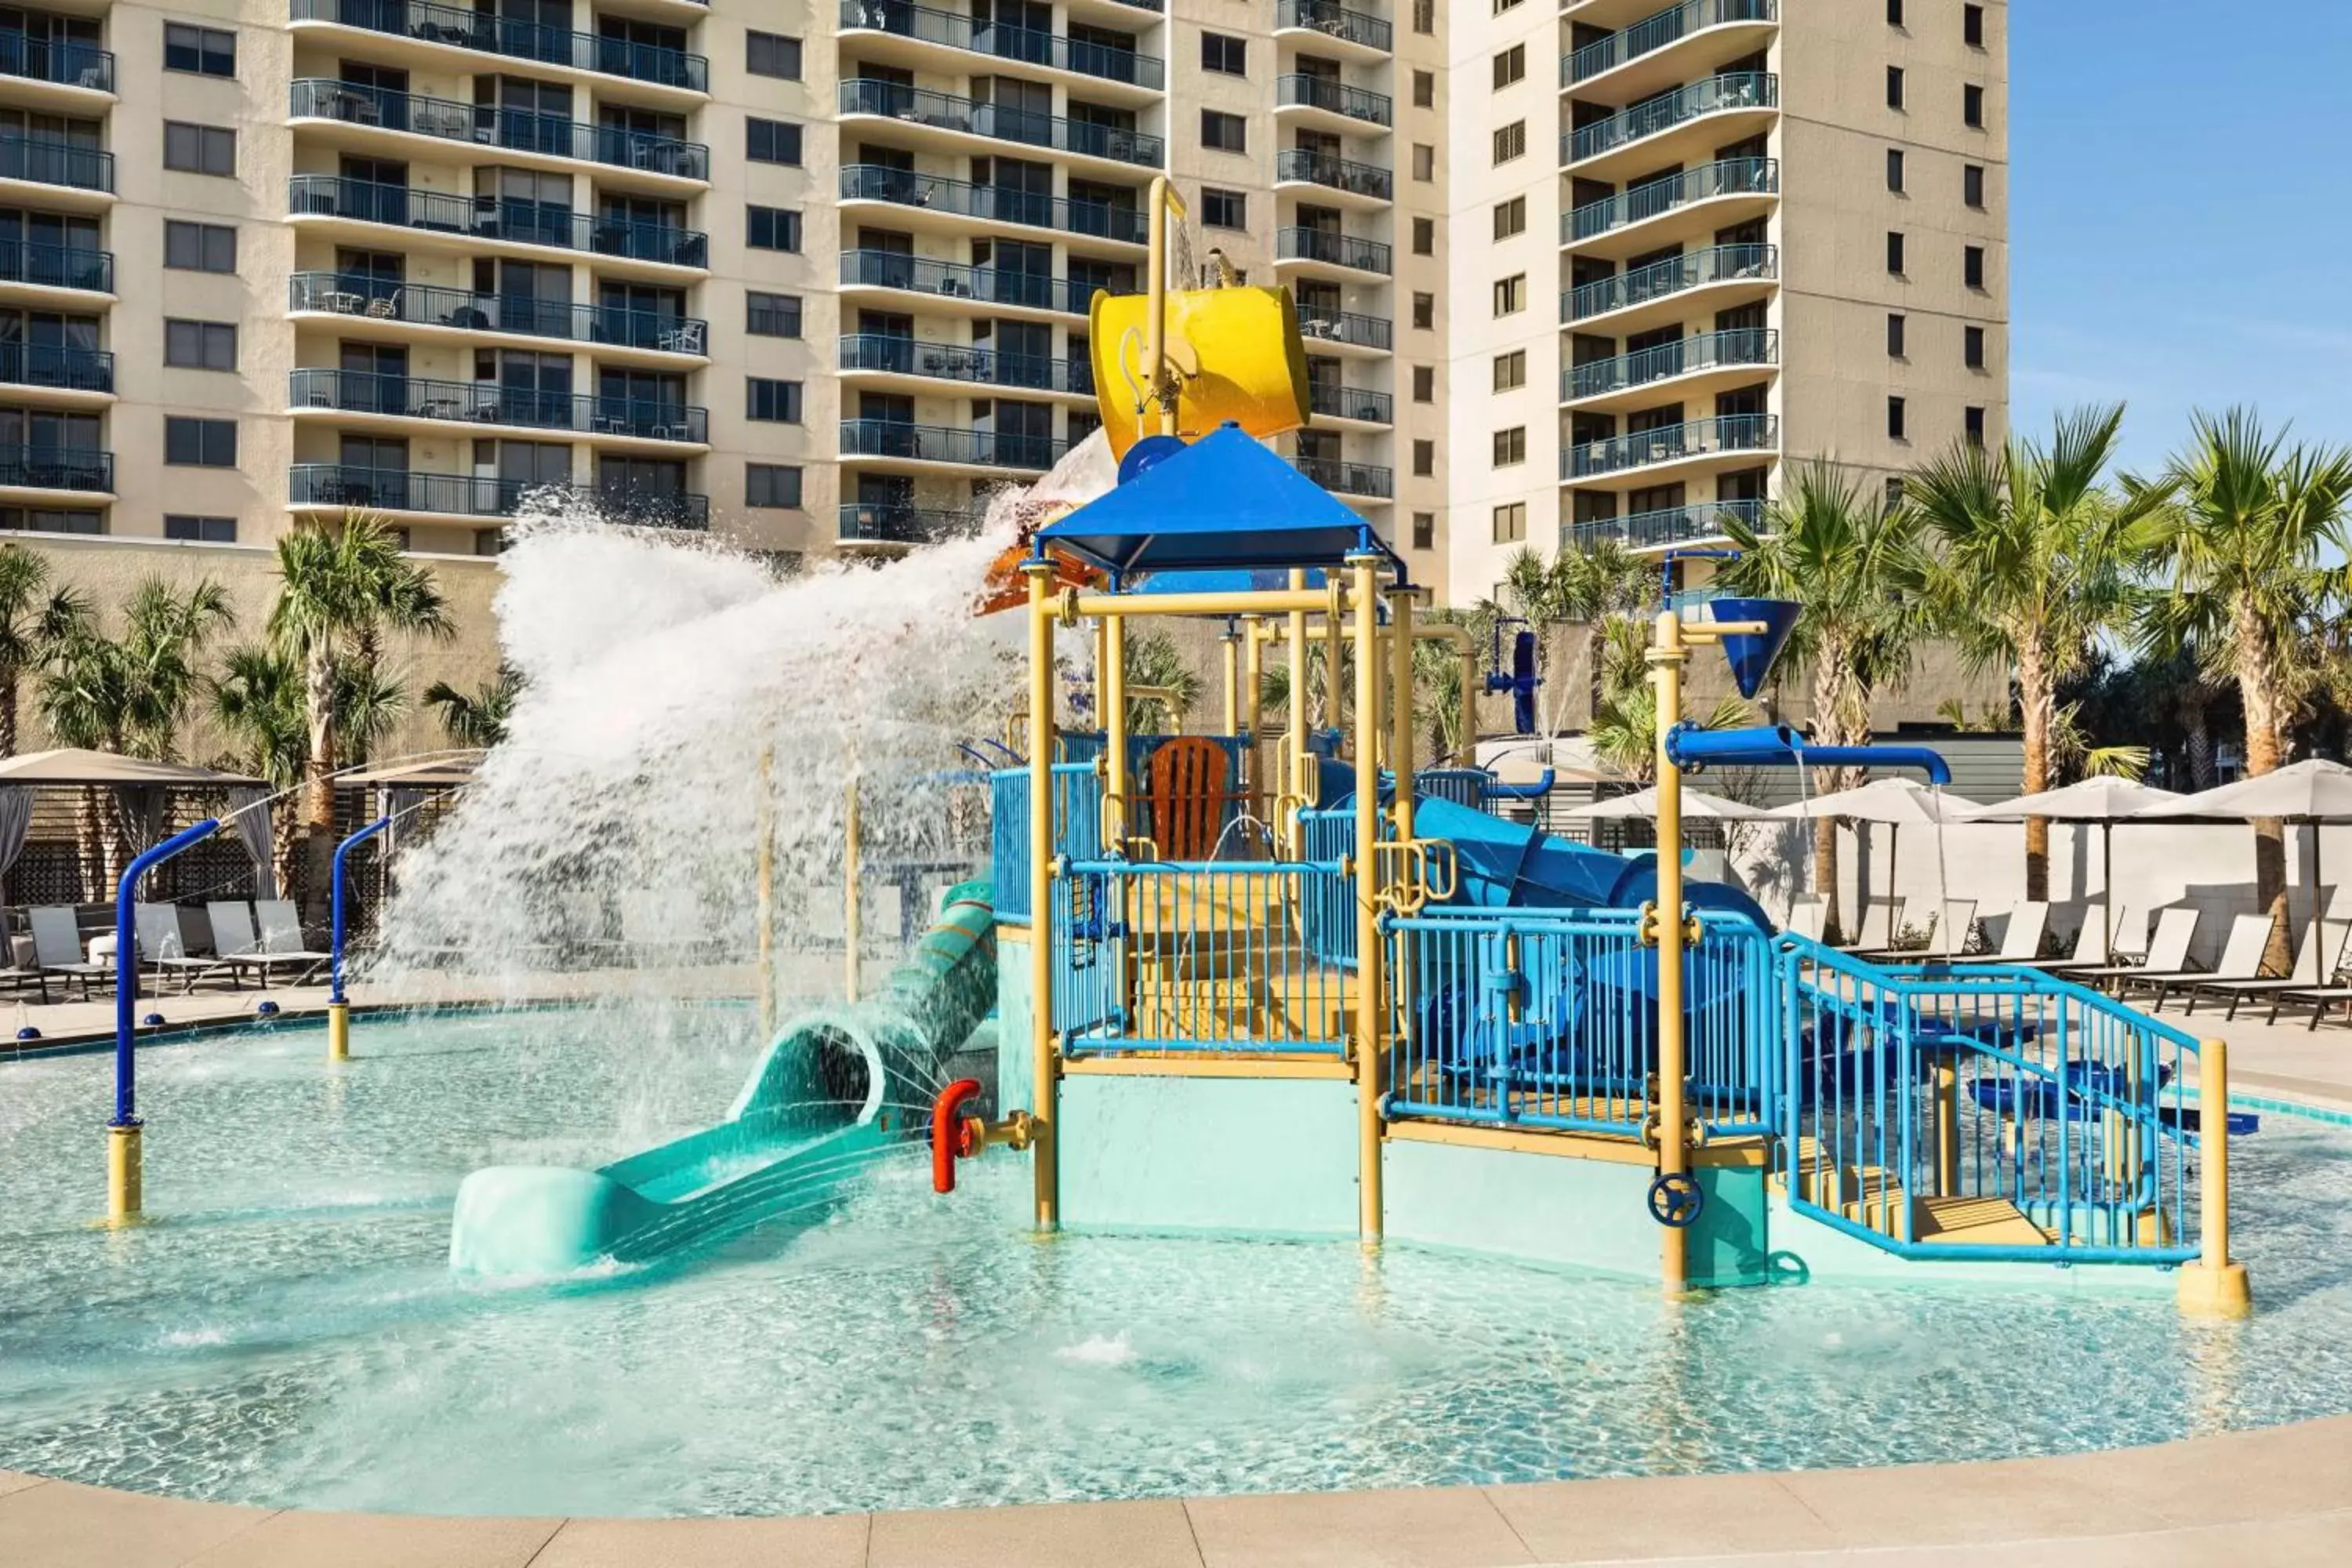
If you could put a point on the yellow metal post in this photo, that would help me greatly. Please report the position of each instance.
(1117, 820)
(853, 908)
(1363, 570)
(1400, 704)
(1229, 651)
(1334, 630)
(1252, 709)
(2215, 1285)
(338, 1031)
(1164, 382)
(1296, 781)
(1666, 659)
(763, 824)
(1044, 1117)
(1948, 1127)
(122, 1175)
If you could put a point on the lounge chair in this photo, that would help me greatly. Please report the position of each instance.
(2241, 959)
(1877, 927)
(2318, 960)
(233, 937)
(282, 940)
(164, 949)
(2020, 939)
(1805, 918)
(58, 950)
(2168, 950)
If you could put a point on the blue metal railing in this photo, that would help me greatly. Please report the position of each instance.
(56, 365)
(58, 266)
(1077, 828)
(1029, 45)
(994, 204)
(53, 161)
(1671, 444)
(513, 37)
(1653, 33)
(1713, 95)
(921, 106)
(1638, 285)
(1723, 177)
(1664, 525)
(56, 469)
(982, 285)
(68, 61)
(1701, 350)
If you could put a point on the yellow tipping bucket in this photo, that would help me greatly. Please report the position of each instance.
(1236, 351)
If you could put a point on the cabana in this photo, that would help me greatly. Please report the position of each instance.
(142, 791)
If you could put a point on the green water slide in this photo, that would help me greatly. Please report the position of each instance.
(833, 1090)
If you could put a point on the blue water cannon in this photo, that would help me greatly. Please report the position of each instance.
(1522, 681)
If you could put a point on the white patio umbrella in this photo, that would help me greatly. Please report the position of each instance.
(2105, 801)
(2314, 791)
(1697, 806)
(1895, 802)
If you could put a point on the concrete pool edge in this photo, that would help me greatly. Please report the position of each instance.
(2274, 1495)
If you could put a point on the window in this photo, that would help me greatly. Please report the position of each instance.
(772, 315)
(1893, 336)
(1972, 26)
(1227, 55)
(199, 149)
(1894, 170)
(1424, 16)
(772, 229)
(1424, 236)
(200, 443)
(1424, 460)
(1511, 140)
(1894, 13)
(1972, 106)
(1972, 425)
(1424, 90)
(200, 529)
(1424, 162)
(1425, 530)
(206, 51)
(200, 247)
(1510, 66)
(1510, 217)
(1972, 266)
(1894, 86)
(1510, 446)
(775, 401)
(1503, 5)
(1223, 133)
(200, 345)
(1895, 419)
(1424, 383)
(1894, 252)
(1424, 312)
(1511, 294)
(771, 484)
(772, 54)
(1224, 209)
(1511, 523)
(1972, 347)
(1972, 185)
(1511, 371)
(772, 141)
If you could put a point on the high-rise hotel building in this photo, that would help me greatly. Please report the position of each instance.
(1697, 242)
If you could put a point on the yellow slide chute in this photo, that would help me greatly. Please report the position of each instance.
(1235, 354)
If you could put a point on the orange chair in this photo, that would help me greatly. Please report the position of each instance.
(1187, 796)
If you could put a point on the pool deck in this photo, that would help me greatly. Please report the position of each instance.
(2279, 1495)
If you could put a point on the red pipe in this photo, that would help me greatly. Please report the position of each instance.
(952, 1135)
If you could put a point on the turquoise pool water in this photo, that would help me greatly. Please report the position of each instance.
(289, 1333)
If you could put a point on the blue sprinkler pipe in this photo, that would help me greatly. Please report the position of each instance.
(1778, 746)
(335, 949)
(126, 961)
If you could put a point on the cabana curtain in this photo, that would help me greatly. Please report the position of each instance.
(252, 820)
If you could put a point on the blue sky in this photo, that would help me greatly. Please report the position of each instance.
(2181, 213)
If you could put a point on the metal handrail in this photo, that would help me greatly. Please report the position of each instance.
(66, 61)
(999, 204)
(1298, 91)
(986, 285)
(53, 161)
(1026, 45)
(1671, 443)
(1664, 525)
(953, 361)
(1654, 32)
(1723, 177)
(946, 111)
(56, 469)
(950, 444)
(510, 130)
(493, 218)
(514, 39)
(1337, 22)
(1339, 174)
(1295, 244)
(482, 495)
(491, 402)
(377, 299)
(1351, 327)
(1712, 95)
(58, 266)
(1348, 479)
(1700, 350)
(56, 365)
(1350, 403)
(1717, 264)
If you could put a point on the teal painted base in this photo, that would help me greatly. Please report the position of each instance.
(1013, 1077)
(1243, 1156)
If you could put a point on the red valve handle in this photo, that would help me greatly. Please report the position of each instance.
(952, 1137)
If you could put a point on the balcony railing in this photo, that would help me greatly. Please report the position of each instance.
(465, 495)
(1350, 403)
(1672, 444)
(1725, 178)
(948, 443)
(1667, 525)
(952, 362)
(1339, 173)
(1701, 351)
(1654, 33)
(1338, 98)
(357, 294)
(1348, 479)
(68, 61)
(920, 106)
(56, 469)
(891, 524)
(1026, 45)
(994, 204)
(513, 38)
(1717, 264)
(490, 219)
(489, 403)
(49, 161)
(513, 130)
(986, 285)
(58, 266)
(57, 366)
(1337, 249)
(1733, 90)
(1336, 21)
(1361, 331)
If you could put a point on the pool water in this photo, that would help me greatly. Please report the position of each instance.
(288, 1333)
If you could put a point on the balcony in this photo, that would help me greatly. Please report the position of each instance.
(1739, 349)
(488, 403)
(991, 204)
(1348, 479)
(50, 161)
(885, 354)
(486, 218)
(1350, 403)
(1652, 198)
(1651, 34)
(510, 39)
(367, 299)
(316, 485)
(891, 524)
(1336, 22)
(969, 117)
(66, 62)
(1726, 432)
(1331, 250)
(1295, 91)
(967, 286)
(1667, 527)
(1024, 45)
(502, 130)
(57, 266)
(56, 469)
(1368, 180)
(1345, 328)
(954, 445)
(57, 367)
(1731, 92)
(1675, 275)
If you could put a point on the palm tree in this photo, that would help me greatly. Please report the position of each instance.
(1152, 660)
(1591, 586)
(35, 619)
(478, 719)
(2241, 525)
(1826, 543)
(256, 700)
(2033, 565)
(1437, 681)
(1624, 731)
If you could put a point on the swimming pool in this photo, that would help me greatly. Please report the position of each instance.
(289, 1332)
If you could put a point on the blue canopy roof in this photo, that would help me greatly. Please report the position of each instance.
(1223, 503)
